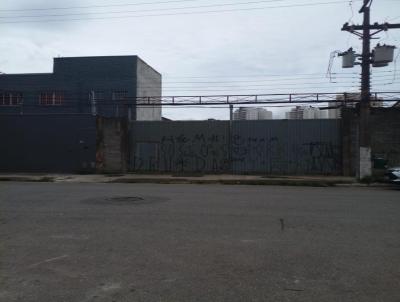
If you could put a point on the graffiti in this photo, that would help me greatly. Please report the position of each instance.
(149, 163)
(321, 157)
(181, 153)
(221, 152)
(199, 152)
(258, 154)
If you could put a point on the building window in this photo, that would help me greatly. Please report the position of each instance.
(10, 98)
(96, 96)
(120, 95)
(53, 98)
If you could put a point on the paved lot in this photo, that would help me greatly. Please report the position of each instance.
(90, 242)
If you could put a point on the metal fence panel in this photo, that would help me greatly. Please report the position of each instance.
(262, 147)
(47, 143)
(314, 147)
(180, 146)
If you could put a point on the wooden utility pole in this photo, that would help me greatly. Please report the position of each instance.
(364, 155)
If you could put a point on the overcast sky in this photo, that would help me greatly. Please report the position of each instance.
(275, 46)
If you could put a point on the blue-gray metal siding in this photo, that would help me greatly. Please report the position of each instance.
(264, 147)
(287, 147)
(179, 146)
(47, 143)
(76, 77)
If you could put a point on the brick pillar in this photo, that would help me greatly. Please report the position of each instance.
(349, 131)
(111, 145)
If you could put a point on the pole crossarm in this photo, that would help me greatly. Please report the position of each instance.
(376, 26)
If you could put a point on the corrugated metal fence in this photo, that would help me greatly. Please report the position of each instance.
(263, 147)
(47, 143)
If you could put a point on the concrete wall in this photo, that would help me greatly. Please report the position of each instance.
(263, 147)
(385, 129)
(111, 145)
(47, 143)
(385, 137)
(350, 148)
(148, 85)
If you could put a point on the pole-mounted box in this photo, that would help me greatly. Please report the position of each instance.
(348, 58)
(383, 54)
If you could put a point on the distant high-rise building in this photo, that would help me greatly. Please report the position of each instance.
(252, 113)
(295, 114)
(335, 112)
(348, 100)
(305, 113)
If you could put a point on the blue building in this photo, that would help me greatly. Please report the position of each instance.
(57, 122)
(105, 86)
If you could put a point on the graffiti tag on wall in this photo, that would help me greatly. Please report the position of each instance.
(216, 153)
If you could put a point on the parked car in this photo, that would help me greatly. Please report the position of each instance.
(393, 175)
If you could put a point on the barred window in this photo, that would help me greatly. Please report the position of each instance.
(96, 96)
(52, 98)
(120, 95)
(10, 98)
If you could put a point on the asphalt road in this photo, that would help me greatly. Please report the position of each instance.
(122, 242)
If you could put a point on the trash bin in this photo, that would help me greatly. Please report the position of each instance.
(380, 163)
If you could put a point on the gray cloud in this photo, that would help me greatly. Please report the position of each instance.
(275, 41)
(13, 11)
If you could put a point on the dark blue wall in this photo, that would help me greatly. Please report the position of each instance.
(47, 143)
(112, 67)
(76, 78)
(62, 138)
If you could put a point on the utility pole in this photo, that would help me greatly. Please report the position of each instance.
(230, 138)
(367, 58)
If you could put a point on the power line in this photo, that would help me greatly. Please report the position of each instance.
(316, 85)
(262, 85)
(261, 105)
(269, 75)
(242, 87)
(108, 5)
(302, 88)
(294, 86)
(253, 81)
(95, 6)
(257, 87)
(266, 89)
(177, 14)
(142, 10)
(302, 84)
(352, 11)
(292, 82)
(395, 18)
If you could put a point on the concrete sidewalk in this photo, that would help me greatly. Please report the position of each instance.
(183, 179)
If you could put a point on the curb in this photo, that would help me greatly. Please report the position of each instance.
(254, 182)
(183, 180)
(27, 178)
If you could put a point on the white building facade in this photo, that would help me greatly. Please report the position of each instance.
(305, 113)
(252, 113)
